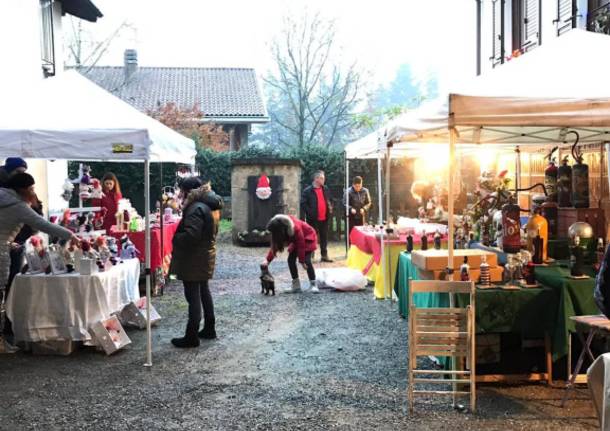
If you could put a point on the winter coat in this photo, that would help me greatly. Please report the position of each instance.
(110, 201)
(303, 238)
(4, 176)
(14, 213)
(309, 204)
(357, 201)
(194, 254)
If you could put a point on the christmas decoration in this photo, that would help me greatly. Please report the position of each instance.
(263, 189)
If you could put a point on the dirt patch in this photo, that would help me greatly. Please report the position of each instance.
(289, 362)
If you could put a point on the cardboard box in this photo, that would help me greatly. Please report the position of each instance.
(134, 314)
(431, 260)
(110, 335)
(439, 274)
(52, 347)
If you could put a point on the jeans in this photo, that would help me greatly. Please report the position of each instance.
(292, 266)
(198, 294)
(321, 228)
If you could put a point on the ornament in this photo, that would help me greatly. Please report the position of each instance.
(263, 189)
(84, 188)
(96, 189)
(68, 188)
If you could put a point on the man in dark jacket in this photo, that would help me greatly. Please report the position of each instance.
(317, 210)
(358, 202)
(194, 257)
(12, 166)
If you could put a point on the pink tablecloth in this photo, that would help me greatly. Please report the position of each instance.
(368, 243)
(157, 259)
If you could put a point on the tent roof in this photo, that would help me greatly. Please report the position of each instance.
(533, 99)
(69, 117)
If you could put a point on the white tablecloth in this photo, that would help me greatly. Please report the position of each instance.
(50, 307)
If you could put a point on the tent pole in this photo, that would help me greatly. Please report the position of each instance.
(387, 272)
(148, 362)
(379, 191)
(452, 140)
(160, 221)
(346, 204)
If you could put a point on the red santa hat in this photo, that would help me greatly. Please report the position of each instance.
(263, 182)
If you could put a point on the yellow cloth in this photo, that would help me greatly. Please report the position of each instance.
(357, 259)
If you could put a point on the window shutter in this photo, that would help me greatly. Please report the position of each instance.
(497, 32)
(566, 15)
(531, 24)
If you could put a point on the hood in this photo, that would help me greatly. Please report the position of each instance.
(204, 194)
(8, 197)
(285, 220)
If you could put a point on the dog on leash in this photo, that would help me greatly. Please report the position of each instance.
(267, 281)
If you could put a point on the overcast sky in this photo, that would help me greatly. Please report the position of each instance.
(434, 36)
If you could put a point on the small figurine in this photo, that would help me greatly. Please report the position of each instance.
(113, 249)
(437, 240)
(128, 250)
(68, 188)
(96, 189)
(84, 188)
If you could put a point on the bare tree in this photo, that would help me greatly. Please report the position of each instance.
(84, 50)
(314, 96)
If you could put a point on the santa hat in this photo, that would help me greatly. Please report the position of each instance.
(263, 182)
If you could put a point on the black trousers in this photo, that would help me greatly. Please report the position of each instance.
(292, 266)
(354, 221)
(321, 228)
(198, 295)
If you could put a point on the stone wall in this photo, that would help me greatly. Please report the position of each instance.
(242, 169)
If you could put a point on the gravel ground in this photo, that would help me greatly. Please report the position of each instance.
(289, 362)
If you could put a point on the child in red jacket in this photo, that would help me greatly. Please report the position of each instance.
(302, 242)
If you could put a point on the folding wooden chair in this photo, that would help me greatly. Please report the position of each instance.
(442, 332)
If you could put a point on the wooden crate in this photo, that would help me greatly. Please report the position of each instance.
(593, 216)
(432, 260)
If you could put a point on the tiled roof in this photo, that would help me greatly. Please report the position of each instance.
(224, 95)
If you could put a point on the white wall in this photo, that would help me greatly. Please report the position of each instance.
(20, 57)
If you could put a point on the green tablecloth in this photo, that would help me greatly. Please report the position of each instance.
(574, 298)
(526, 311)
(407, 271)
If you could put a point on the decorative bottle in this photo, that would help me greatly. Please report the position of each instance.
(465, 270)
(424, 241)
(564, 184)
(550, 179)
(511, 227)
(409, 243)
(485, 277)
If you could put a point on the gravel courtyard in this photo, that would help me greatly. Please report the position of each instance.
(289, 362)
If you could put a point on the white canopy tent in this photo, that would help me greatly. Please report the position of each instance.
(533, 99)
(69, 117)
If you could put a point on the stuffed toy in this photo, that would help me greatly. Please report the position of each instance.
(40, 250)
(84, 188)
(96, 189)
(113, 249)
(81, 221)
(128, 250)
(98, 220)
(89, 222)
(68, 188)
(101, 246)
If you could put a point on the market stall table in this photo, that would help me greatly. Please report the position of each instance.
(527, 311)
(158, 259)
(365, 255)
(63, 307)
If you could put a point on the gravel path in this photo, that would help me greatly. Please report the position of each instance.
(289, 362)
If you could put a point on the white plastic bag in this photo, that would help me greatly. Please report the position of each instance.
(343, 279)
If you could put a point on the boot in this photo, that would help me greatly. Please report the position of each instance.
(209, 331)
(325, 258)
(295, 287)
(314, 286)
(190, 338)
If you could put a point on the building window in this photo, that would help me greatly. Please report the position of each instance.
(47, 44)
(567, 12)
(526, 24)
(598, 18)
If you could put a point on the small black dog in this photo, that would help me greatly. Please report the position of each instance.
(267, 281)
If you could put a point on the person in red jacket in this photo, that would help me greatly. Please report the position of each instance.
(301, 240)
(110, 200)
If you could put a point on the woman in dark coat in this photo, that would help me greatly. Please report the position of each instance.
(194, 256)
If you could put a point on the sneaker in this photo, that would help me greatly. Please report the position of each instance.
(314, 288)
(295, 287)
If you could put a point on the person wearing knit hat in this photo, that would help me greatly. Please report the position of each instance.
(12, 166)
(15, 211)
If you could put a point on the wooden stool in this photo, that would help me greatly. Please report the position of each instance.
(593, 325)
